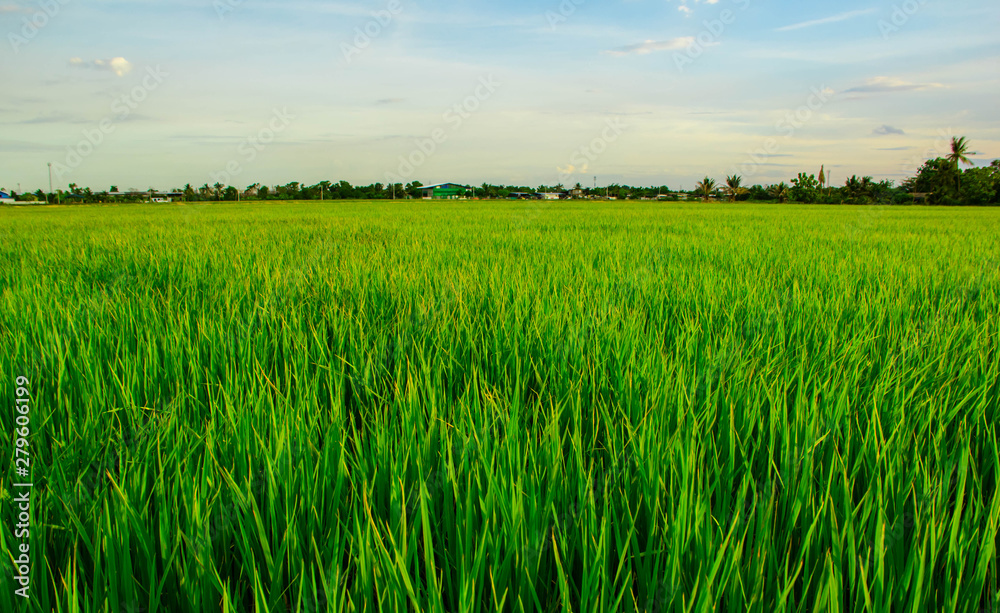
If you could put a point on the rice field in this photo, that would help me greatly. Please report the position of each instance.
(504, 406)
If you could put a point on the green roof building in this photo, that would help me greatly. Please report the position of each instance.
(444, 191)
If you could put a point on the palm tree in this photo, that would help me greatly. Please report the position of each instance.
(867, 186)
(959, 154)
(960, 151)
(779, 192)
(705, 188)
(734, 187)
(860, 191)
(852, 187)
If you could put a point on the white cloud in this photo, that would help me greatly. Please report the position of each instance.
(650, 46)
(571, 169)
(118, 65)
(687, 10)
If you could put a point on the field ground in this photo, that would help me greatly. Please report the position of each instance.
(471, 406)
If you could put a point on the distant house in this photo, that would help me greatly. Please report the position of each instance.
(576, 193)
(5, 198)
(151, 196)
(677, 195)
(519, 195)
(166, 196)
(443, 191)
(549, 195)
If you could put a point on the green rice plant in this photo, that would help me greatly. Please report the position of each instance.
(440, 406)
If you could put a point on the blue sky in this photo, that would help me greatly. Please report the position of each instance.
(145, 94)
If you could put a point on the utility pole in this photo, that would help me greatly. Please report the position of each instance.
(50, 183)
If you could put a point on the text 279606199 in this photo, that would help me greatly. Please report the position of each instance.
(22, 500)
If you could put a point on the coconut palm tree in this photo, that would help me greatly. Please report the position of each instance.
(705, 188)
(860, 191)
(852, 188)
(779, 192)
(734, 187)
(959, 154)
(960, 151)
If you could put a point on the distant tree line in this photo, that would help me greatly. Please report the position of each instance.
(940, 181)
(324, 190)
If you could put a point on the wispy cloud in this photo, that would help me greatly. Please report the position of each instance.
(826, 20)
(878, 85)
(650, 46)
(886, 130)
(54, 118)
